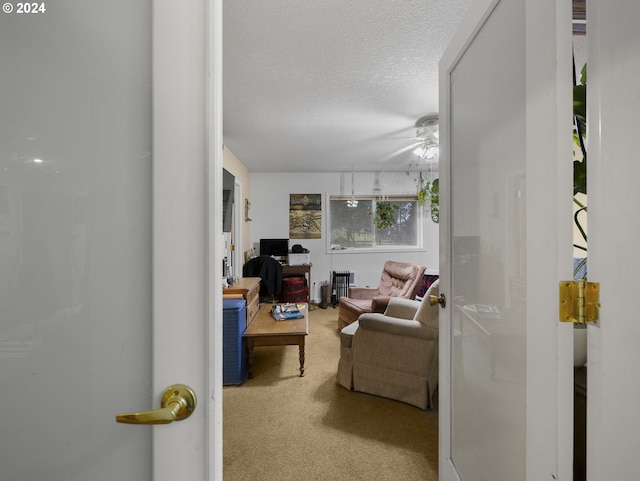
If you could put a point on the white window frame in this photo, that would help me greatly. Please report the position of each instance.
(376, 249)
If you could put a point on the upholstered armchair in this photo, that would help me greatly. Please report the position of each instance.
(398, 279)
(395, 354)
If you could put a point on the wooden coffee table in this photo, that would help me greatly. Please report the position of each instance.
(266, 331)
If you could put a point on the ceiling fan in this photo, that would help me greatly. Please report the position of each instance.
(423, 147)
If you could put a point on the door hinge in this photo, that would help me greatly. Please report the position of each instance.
(579, 301)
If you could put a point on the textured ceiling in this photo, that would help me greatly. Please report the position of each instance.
(331, 85)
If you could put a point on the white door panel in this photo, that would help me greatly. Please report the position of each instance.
(76, 310)
(77, 247)
(487, 156)
(613, 395)
(501, 93)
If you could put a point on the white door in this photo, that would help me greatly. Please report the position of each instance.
(506, 369)
(103, 239)
(613, 100)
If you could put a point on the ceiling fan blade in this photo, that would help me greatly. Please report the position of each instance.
(398, 152)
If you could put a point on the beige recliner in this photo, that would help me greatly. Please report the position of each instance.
(395, 354)
(398, 279)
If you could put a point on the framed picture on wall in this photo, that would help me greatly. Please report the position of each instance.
(305, 216)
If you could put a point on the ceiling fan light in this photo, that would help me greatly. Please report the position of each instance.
(427, 127)
(431, 152)
(420, 151)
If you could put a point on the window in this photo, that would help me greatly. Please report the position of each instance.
(351, 223)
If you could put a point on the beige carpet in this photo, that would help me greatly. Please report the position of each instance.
(279, 426)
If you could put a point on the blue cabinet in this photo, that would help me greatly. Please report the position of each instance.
(234, 362)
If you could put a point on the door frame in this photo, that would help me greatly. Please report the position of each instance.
(187, 237)
(549, 410)
(237, 239)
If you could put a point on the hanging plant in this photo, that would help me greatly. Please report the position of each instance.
(580, 165)
(424, 189)
(429, 193)
(434, 193)
(385, 215)
(423, 195)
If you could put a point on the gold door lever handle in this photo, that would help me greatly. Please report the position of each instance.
(441, 299)
(177, 403)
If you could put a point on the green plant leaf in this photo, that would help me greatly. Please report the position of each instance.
(580, 113)
(583, 75)
(580, 105)
(579, 176)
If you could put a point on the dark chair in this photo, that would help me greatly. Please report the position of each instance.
(269, 271)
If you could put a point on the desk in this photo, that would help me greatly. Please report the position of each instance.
(304, 270)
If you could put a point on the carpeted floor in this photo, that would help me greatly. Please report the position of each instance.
(282, 427)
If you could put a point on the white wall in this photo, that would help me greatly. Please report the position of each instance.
(270, 214)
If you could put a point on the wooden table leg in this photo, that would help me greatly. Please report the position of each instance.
(301, 348)
(250, 359)
(286, 340)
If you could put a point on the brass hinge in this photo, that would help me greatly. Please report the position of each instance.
(579, 301)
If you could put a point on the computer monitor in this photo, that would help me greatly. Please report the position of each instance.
(276, 248)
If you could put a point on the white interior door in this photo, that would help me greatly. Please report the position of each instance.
(95, 296)
(613, 395)
(506, 368)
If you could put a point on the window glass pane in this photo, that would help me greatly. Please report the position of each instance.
(405, 230)
(351, 225)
